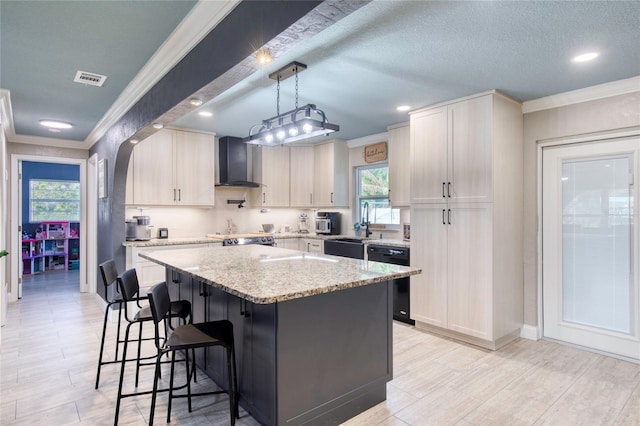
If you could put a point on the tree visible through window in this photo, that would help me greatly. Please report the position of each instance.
(373, 188)
(54, 200)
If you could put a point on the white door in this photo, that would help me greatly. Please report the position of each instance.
(590, 245)
(20, 262)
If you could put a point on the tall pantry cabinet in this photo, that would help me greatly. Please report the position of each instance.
(466, 218)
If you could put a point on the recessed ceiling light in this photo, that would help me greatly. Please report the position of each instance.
(586, 57)
(195, 102)
(403, 108)
(205, 114)
(264, 56)
(133, 141)
(56, 124)
(158, 125)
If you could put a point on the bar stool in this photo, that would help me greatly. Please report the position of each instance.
(109, 274)
(130, 289)
(185, 338)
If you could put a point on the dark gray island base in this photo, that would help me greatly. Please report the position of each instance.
(314, 360)
(313, 333)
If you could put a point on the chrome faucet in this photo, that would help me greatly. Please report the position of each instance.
(367, 232)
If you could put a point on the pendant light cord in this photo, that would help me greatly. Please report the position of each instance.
(278, 97)
(296, 87)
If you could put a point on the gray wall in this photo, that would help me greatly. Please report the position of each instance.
(617, 112)
(249, 24)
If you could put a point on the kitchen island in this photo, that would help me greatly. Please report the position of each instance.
(313, 333)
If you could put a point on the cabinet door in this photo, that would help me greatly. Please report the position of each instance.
(153, 170)
(428, 135)
(301, 167)
(470, 269)
(130, 180)
(194, 169)
(399, 161)
(470, 150)
(275, 176)
(429, 252)
(323, 175)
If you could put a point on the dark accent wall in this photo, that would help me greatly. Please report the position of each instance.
(38, 170)
(250, 25)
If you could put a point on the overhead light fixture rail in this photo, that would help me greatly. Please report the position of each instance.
(298, 124)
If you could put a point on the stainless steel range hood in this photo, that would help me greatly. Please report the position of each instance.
(232, 163)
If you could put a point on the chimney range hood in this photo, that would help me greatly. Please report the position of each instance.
(232, 163)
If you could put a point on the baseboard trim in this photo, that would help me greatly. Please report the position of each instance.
(529, 332)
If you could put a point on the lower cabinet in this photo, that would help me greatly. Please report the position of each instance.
(462, 287)
(311, 245)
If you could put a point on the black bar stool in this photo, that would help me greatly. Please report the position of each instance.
(185, 338)
(109, 274)
(130, 289)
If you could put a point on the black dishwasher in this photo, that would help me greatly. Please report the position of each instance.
(396, 256)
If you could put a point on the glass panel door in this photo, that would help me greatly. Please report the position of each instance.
(590, 245)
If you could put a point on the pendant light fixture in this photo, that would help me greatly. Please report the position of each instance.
(296, 125)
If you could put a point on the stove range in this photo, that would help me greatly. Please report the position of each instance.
(264, 240)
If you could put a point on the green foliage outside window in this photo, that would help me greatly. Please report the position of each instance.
(373, 189)
(54, 200)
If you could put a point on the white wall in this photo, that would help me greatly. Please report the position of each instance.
(612, 113)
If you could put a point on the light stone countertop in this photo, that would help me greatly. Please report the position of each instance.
(169, 242)
(263, 274)
(218, 239)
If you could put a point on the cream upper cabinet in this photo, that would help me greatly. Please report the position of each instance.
(130, 178)
(455, 150)
(302, 176)
(153, 170)
(194, 170)
(399, 161)
(466, 219)
(173, 167)
(271, 169)
(331, 179)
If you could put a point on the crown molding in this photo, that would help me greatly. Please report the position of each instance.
(204, 16)
(44, 141)
(614, 88)
(6, 114)
(365, 140)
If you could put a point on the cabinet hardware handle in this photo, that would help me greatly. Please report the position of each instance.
(179, 194)
(389, 196)
(311, 199)
(332, 198)
(174, 194)
(443, 196)
(449, 189)
(443, 221)
(449, 216)
(263, 197)
(243, 308)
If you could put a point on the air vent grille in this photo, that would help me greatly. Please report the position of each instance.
(93, 79)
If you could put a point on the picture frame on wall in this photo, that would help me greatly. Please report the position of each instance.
(102, 178)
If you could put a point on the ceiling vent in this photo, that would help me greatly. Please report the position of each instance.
(90, 78)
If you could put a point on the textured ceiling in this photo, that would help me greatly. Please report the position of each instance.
(385, 54)
(390, 53)
(44, 43)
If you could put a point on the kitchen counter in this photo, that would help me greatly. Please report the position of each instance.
(217, 238)
(169, 242)
(262, 274)
(313, 333)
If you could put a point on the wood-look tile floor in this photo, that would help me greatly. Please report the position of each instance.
(49, 350)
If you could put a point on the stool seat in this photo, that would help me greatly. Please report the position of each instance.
(130, 291)
(187, 338)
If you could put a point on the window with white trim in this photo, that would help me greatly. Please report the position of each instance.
(54, 200)
(372, 187)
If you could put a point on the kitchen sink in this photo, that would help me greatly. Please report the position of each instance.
(345, 247)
